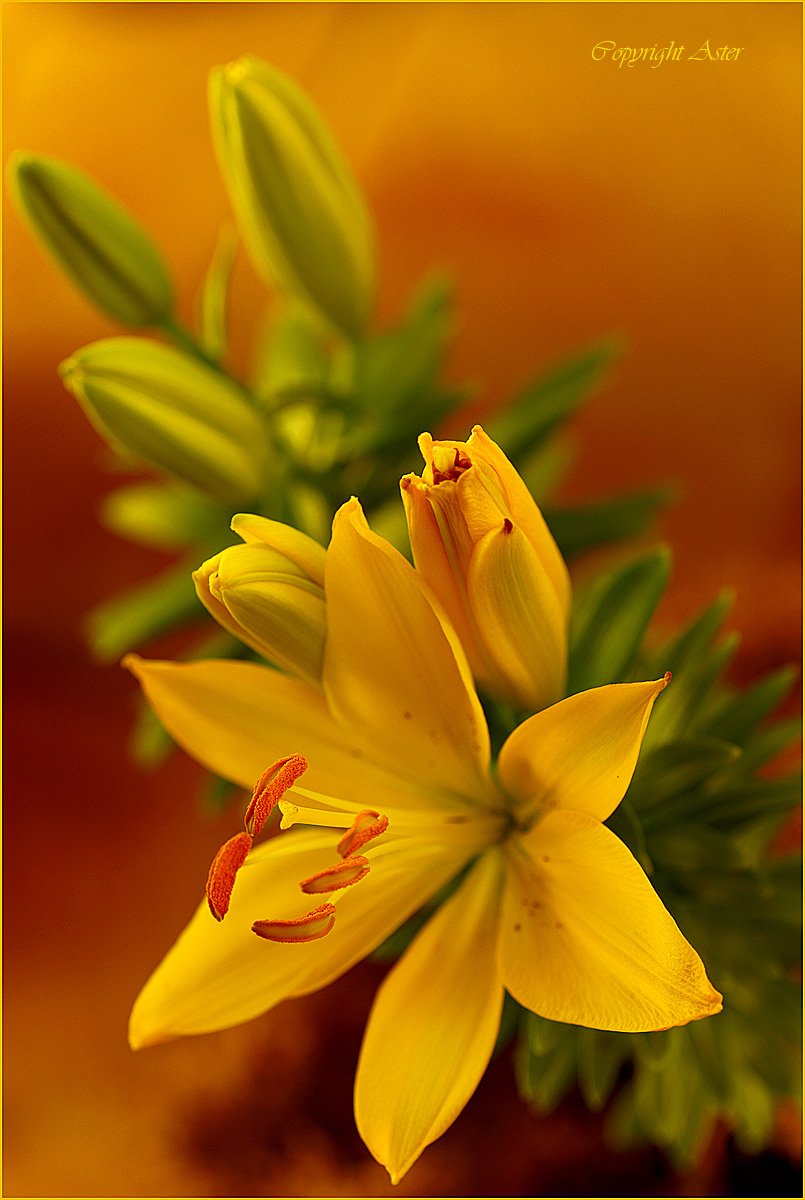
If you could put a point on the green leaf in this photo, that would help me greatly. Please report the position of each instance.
(691, 849)
(683, 702)
(542, 469)
(761, 798)
(509, 1021)
(763, 747)
(398, 369)
(542, 1035)
(291, 360)
(610, 617)
(166, 516)
(217, 793)
(678, 766)
(149, 741)
(542, 405)
(752, 1112)
(601, 1056)
(213, 299)
(142, 613)
(693, 642)
(586, 526)
(653, 1050)
(709, 1051)
(626, 824)
(544, 1079)
(737, 716)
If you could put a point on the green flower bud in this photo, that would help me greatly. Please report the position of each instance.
(172, 412)
(302, 216)
(96, 242)
(270, 594)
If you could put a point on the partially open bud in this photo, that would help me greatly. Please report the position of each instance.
(481, 543)
(270, 594)
(172, 412)
(301, 214)
(96, 242)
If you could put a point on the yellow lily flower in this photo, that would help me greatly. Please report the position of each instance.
(480, 541)
(388, 761)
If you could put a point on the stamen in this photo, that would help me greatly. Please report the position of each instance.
(225, 866)
(366, 826)
(270, 787)
(313, 925)
(331, 879)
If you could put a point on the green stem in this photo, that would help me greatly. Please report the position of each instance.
(185, 341)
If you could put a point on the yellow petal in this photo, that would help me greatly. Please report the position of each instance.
(433, 1026)
(261, 596)
(235, 718)
(525, 513)
(302, 550)
(519, 617)
(220, 974)
(585, 938)
(439, 562)
(581, 753)
(393, 666)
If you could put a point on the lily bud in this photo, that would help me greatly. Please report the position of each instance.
(301, 214)
(481, 543)
(172, 412)
(96, 242)
(269, 592)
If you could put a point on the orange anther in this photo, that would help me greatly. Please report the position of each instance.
(225, 866)
(366, 826)
(313, 925)
(270, 788)
(331, 879)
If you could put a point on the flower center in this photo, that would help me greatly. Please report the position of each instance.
(448, 464)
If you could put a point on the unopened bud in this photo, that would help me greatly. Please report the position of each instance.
(481, 543)
(96, 242)
(270, 594)
(172, 412)
(301, 214)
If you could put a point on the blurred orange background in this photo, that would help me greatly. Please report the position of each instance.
(569, 199)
